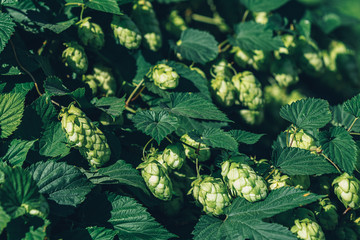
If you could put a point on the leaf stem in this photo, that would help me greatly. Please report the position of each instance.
(354, 133)
(130, 109)
(271, 173)
(197, 167)
(167, 138)
(144, 149)
(352, 124)
(82, 11)
(133, 92)
(204, 19)
(337, 168)
(245, 15)
(138, 94)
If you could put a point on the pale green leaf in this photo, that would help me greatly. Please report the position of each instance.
(255, 36)
(353, 106)
(296, 161)
(4, 219)
(194, 106)
(101, 233)
(7, 29)
(108, 6)
(54, 87)
(134, 222)
(216, 138)
(53, 142)
(157, 124)
(197, 46)
(111, 105)
(245, 137)
(339, 146)
(307, 113)
(18, 149)
(11, 112)
(263, 5)
(60, 182)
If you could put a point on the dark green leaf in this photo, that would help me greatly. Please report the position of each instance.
(11, 112)
(157, 124)
(341, 118)
(134, 222)
(296, 161)
(45, 110)
(54, 87)
(263, 5)
(209, 228)
(30, 228)
(255, 36)
(17, 152)
(23, 88)
(353, 106)
(4, 219)
(53, 142)
(197, 46)
(60, 182)
(340, 147)
(7, 29)
(245, 137)
(111, 105)
(194, 106)
(101, 233)
(307, 113)
(216, 138)
(143, 67)
(108, 6)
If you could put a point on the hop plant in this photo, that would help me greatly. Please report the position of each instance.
(252, 117)
(105, 79)
(345, 233)
(278, 180)
(156, 178)
(326, 214)
(257, 59)
(91, 34)
(284, 72)
(322, 185)
(175, 23)
(223, 70)
(223, 91)
(190, 152)
(174, 155)
(347, 189)
(164, 76)
(299, 139)
(126, 32)
(145, 18)
(306, 227)
(243, 181)
(75, 58)
(289, 46)
(211, 193)
(107, 120)
(249, 90)
(91, 82)
(85, 136)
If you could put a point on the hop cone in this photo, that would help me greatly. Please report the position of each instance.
(165, 76)
(326, 214)
(249, 90)
(222, 69)
(75, 58)
(305, 226)
(156, 178)
(91, 34)
(243, 181)
(204, 151)
(223, 91)
(105, 79)
(278, 180)
(91, 82)
(211, 193)
(347, 189)
(82, 134)
(175, 23)
(145, 18)
(300, 139)
(284, 72)
(289, 43)
(126, 32)
(257, 58)
(174, 155)
(252, 117)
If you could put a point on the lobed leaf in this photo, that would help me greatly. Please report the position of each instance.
(18, 149)
(53, 141)
(353, 106)
(7, 29)
(4, 219)
(245, 137)
(111, 105)
(108, 6)
(263, 5)
(307, 113)
(342, 118)
(54, 87)
(11, 112)
(101, 233)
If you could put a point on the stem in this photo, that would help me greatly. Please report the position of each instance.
(197, 168)
(77, 4)
(82, 11)
(337, 168)
(138, 94)
(167, 138)
(144, 149)
(204, 19)
(188, 145)
(130, 109)
(354, 133)
(245, 15)
(346, 210)
(271, 173)
(133, 92)
(352, 124)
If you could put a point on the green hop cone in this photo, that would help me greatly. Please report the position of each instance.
(204, 151)
(243, 181)
(91, 82)
(222, 69)
(299, 139)
(249, 90)
(211, 193)
(126, 32)
(347, 189)
(175, 24)
(278, 180)
(284, 72)
(91, 34)
(156, 178)
(105, 79)
(261, 17)
(174, 155)
(223, 91)
(145, 18)
(85, 136)
(252, 117)
(164, 76)
(75, 58)
(326, 214)
(305, 225)
(257, 59)
(289, 46)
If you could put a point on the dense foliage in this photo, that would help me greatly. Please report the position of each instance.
(177, 119)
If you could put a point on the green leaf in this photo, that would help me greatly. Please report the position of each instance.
(101, 233)
(263, 5)
(193, 76)
(123, 173)
(53, 142)
(4, 219)
(341, 118)
(8, 1)
(157, 124)
(19, 193)
(54, 87)
(7, 29)
(11, 112)
(30, 228)
(353, 106)
(111, 105)
(23, 88)
(245, 137)
(60, 182)
(194, 106)
(255, 36)
(307, 113)
(339, 146)
(296, 161)
(216, 138)
(18, 149)
(209, 228)
(108, 6)
(143, 67)
(134, 222)
(197, 46)
(45, 110)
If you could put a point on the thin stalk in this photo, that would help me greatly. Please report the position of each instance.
(133, 92)
(130, 109)
(82, 12)
(352, 124)
(245, 15)
(167, 138)
(354, 133)
(144, 149)
(197, 168)
(204, 19)
(337, 168)
(271, 173)
(138, 94)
